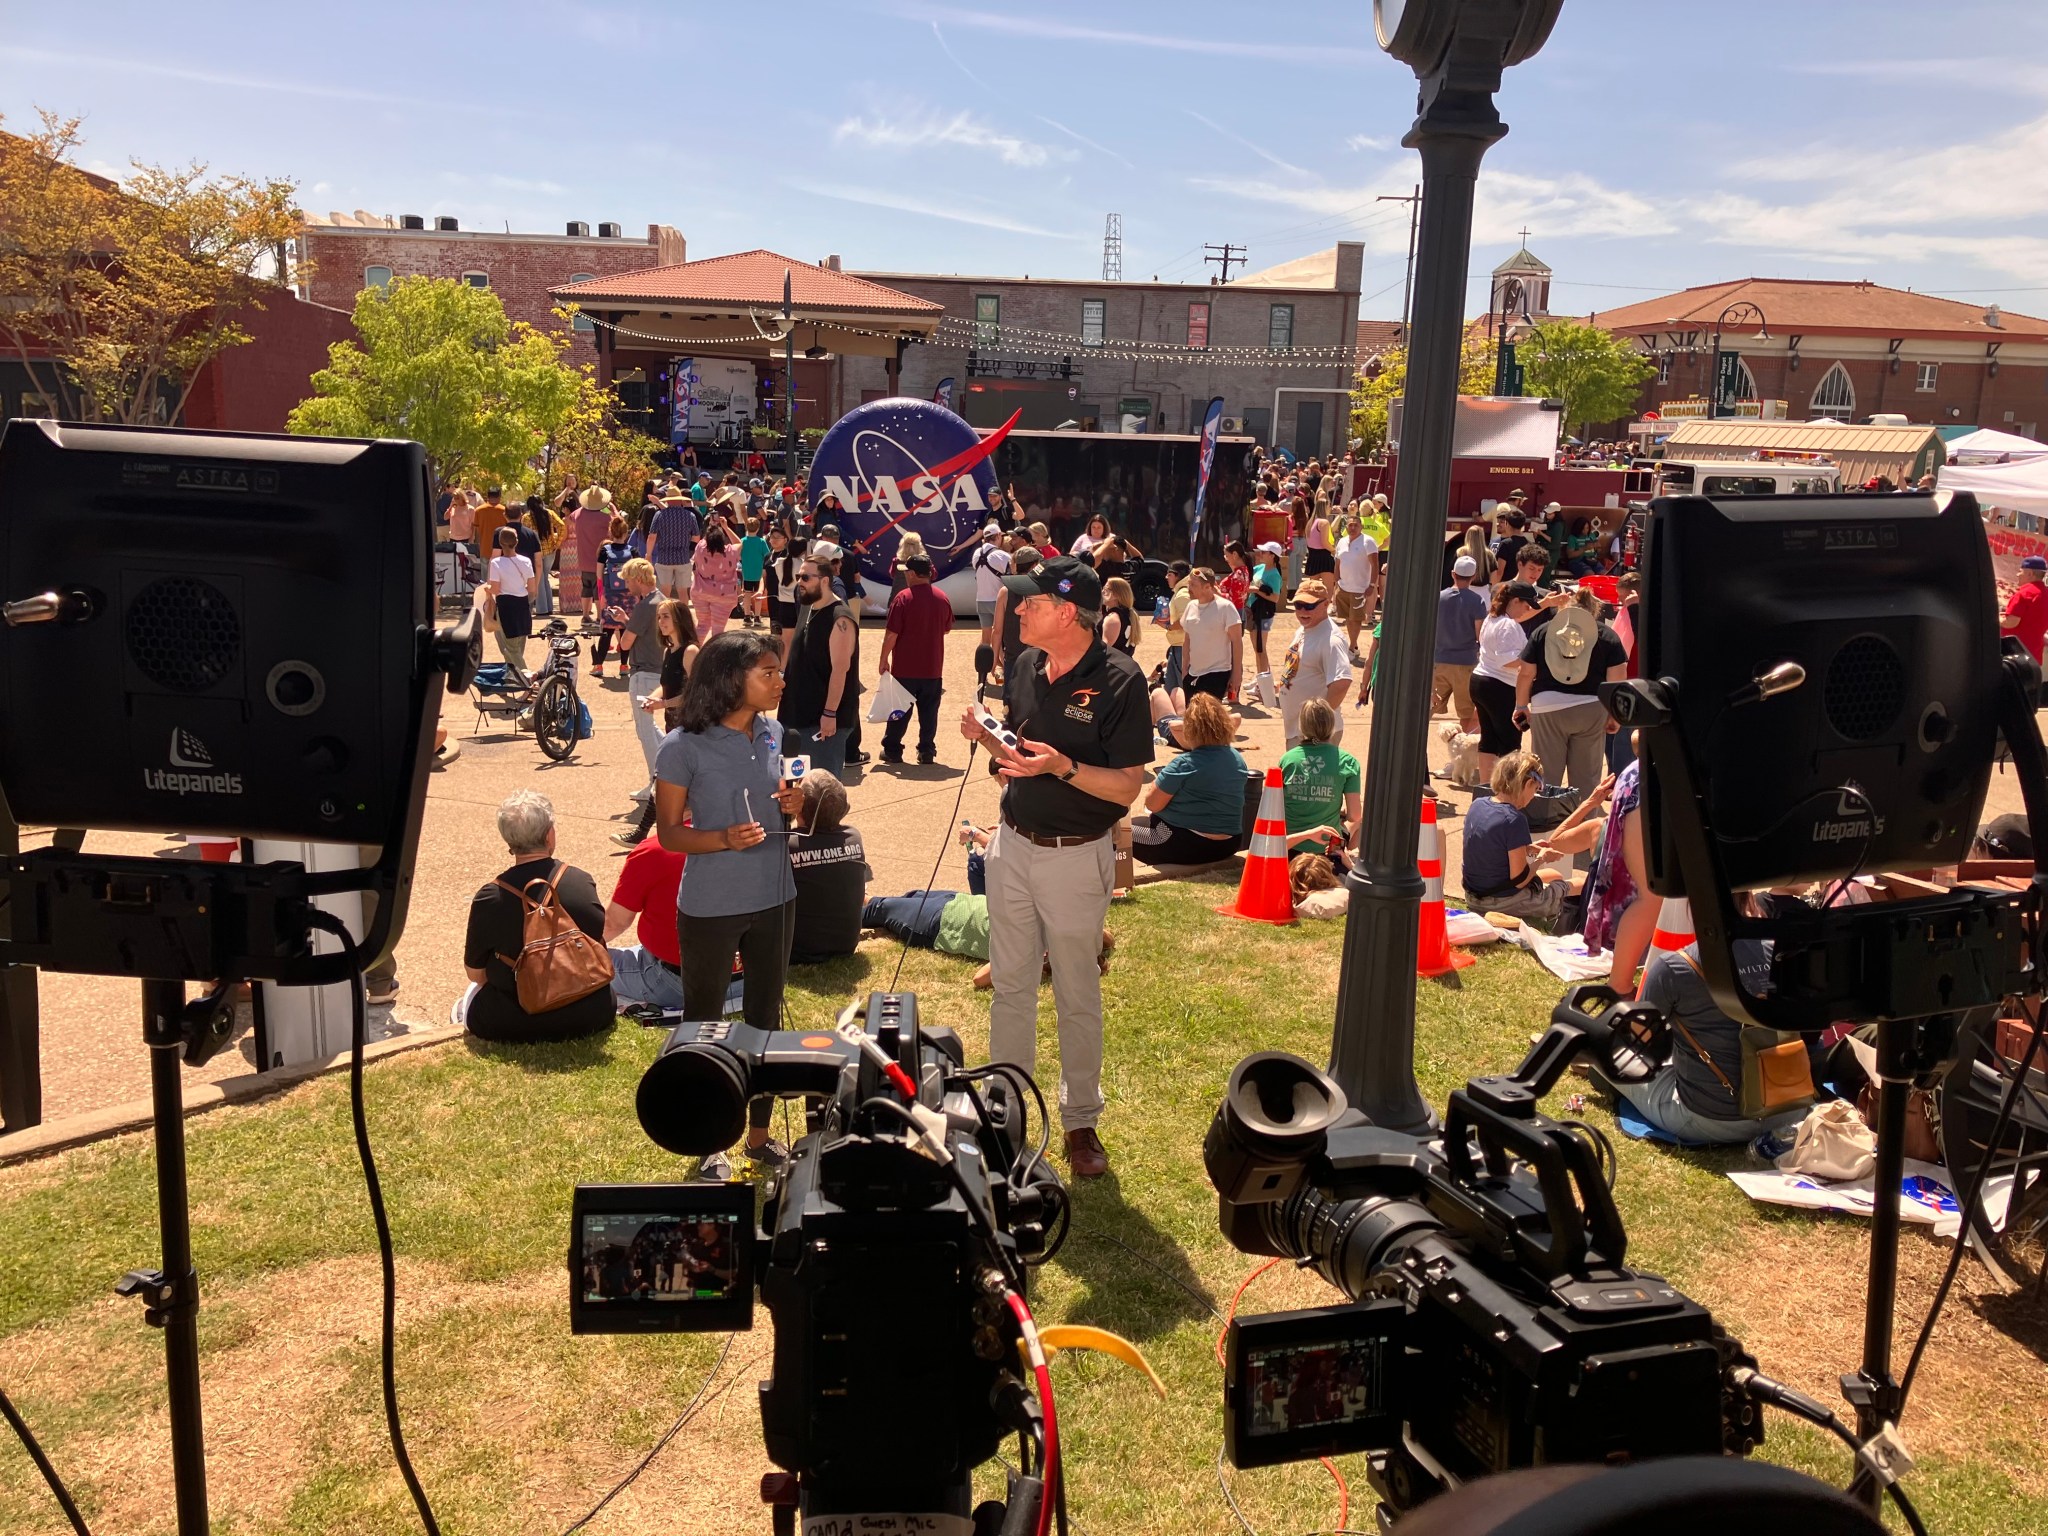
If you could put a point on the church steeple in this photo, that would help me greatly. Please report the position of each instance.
(1534, 273)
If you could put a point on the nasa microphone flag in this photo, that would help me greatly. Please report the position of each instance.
(943, 395)
(1212, 423)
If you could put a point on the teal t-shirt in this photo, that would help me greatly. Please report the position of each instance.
(753, 557)
(1317, 776)
(1207, 785)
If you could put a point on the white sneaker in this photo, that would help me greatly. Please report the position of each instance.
(642, 795)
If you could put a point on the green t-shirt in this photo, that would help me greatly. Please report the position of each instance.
(1318, 775)
(753, 557)
(963, 927)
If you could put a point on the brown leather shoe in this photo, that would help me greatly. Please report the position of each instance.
(1086, 1155)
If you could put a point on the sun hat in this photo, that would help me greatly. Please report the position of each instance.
(596, 499)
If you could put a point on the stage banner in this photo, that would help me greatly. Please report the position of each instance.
(683, 381)
(1212, 423)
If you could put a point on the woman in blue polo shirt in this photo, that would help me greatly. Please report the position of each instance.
(1197, 800)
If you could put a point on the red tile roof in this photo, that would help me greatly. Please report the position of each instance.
(1378, 337)
(747, 277)
(1830, 308)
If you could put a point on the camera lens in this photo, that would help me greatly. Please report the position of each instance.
(692, 1099)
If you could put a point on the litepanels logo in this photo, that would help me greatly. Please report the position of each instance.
(1854, 817)
(189, 752)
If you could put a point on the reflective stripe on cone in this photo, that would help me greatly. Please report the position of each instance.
(1263, 894)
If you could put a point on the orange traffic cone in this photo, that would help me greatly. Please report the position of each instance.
(1674, 926)
(1263, 894)
(1433, 953)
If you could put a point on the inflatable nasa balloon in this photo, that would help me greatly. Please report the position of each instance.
(907, 466)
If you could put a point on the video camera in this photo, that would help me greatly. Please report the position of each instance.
(891, 1254)
(1494, 1323)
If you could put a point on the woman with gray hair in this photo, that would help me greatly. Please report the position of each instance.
(497, 931)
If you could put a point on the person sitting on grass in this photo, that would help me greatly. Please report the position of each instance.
(952, 922)
(1499, 873)
(831, 871)
(497, 932)
(1322, 780)
(651, 970)
(1197, 800)
(1694, 1097)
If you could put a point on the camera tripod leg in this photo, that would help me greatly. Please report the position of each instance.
(172, 1293)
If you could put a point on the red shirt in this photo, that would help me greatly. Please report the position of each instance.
(920, 618)
(647, 885)
(2030, 603)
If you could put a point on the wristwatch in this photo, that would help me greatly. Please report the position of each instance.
(1073, 767)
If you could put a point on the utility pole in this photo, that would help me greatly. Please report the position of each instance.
(1113, 248)
(1414, 202)
(1225, 254)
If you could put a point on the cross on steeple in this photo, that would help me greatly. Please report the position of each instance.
(1525, 237)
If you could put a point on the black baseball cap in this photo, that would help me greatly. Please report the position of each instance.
(1069, 580)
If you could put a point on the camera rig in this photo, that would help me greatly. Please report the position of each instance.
(1496, 1323)
(892, 1254)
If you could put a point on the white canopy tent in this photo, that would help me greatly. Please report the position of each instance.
(1987, 445)
(2020, 487)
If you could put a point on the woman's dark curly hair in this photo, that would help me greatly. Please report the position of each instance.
(717, 684)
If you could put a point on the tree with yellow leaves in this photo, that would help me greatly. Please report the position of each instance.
(1372, 393)
(114, 295)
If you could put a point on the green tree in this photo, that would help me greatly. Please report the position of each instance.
(439, 363)
(114, 295)
(595, 447)
(1371, 394)
(1595, 374)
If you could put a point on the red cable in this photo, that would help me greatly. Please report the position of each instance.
(1235, 1297)
(1343, 1493)
(1051, 1470)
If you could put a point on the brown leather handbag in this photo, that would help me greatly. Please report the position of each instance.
(558, 963)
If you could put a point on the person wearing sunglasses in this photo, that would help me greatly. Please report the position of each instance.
(1317, 663)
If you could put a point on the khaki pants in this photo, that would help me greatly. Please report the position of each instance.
(1571, 743)
(1047, 905)
(1453, 681)
(1353, 610)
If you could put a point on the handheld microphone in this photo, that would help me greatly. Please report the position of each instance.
(984, 663)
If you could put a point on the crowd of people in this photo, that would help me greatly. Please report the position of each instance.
(734, 612)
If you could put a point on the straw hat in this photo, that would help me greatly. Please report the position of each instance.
(596, 499)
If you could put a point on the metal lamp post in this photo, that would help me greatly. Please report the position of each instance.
(789, 373)
(1508, 295)
(1742, 308)
(1458, 50)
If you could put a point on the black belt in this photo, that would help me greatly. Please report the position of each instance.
(1053, 842)
(673, 970)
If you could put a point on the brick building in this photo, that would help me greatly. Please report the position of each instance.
(1277, 345)
(1843, 350)
(350, 252)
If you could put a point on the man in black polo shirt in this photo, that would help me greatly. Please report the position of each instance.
(1083, 724)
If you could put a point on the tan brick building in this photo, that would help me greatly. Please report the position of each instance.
(1277, 345)
(350, 252)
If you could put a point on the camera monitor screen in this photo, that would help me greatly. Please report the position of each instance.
(1320, 1382)
(661, 1258)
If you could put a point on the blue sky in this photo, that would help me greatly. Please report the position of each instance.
(1654, 144)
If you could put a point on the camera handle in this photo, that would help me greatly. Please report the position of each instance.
(1582, 1226)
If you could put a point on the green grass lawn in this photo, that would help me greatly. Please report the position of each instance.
(516, 1426)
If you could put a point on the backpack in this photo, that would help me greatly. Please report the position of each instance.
(558, 963)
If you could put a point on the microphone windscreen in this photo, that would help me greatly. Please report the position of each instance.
(984, 660)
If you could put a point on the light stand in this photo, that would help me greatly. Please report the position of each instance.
(1458, 49)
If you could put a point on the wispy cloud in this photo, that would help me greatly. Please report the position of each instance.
(1239, 139)
(947, 49)
(952, 212)
(2016, 75)
(200, 76)
(1082, 138)
(962, 130)
(1359, 141)
(1050, 30)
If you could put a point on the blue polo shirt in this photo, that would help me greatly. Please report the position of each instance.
(726, 774)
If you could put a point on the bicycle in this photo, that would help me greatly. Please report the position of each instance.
(546, 701)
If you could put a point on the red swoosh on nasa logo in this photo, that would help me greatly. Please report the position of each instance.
(950, 470)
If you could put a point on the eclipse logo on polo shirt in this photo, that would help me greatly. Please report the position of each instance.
(1081, 705)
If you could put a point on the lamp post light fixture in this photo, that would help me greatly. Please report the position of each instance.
(1509, 295)
(1744, 310)
(1458, 50)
